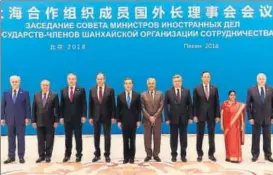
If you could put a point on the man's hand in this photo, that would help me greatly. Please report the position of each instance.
(83, 119)
(168, 122)
(26, 121)
(62, 120)
(113, 120)
(34, 125)
(152, 119)
(91, 121)
(138, 124)
(55, 124)
(3, 122)
(251, 121)
(217, 119)
(272, 121)
(119, 125)
(195, 119)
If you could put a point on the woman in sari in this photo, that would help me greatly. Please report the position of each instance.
(233, 124)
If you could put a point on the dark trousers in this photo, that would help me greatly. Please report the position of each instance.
(200, 136)
(70, 128)
(182, 129)
(19, 131)
(107, 137)
(256, 132)
(129, 142)
(45, 141)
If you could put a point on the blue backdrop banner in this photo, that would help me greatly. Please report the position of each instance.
(48, 40)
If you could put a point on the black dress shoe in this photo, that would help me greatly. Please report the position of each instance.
(40, 160)
(47, 159)
(227, 160)
(147, 159)
(9, 160)
(157, 159)
(96, 159)
(125, 161)
(22, 160)
(66, 159)
(132, 161)
(183, 159)
(173, 159)
(107, 159)
(254, 158)
(234, 161)
(78, 159)
(269, 158)
(212, 158)
(199, 159)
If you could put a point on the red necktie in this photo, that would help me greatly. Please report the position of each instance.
(100, 94)
(71, 94)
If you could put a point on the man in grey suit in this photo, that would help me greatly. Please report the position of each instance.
(260, 115)
(152, 106)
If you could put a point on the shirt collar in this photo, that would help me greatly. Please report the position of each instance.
(72, 86)
(130, 92)
(15, 90)
(205, 85)
(46, 93)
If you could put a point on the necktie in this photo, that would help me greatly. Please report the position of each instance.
(71, 94)
(178, 97)
(262, 94)
(207, 92)
(100, 94)
(128, 99)
(44, 99)
(14, 96)
(152, 94)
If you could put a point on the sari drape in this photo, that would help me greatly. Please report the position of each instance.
(233, 123)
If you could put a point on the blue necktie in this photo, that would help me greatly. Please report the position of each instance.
(262, 94)
(14, 96)
(128, 99)
(44, 99)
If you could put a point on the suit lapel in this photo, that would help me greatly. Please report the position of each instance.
(258, 94)
(174, 95)
(202, 90)
(181, 95)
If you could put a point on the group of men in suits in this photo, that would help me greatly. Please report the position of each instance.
(178, 106)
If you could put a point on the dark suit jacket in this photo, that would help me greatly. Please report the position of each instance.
(174, 110)
(256, 109)
(203, 108)
(15, 113)
(75, 110)
(104, 111)
(45, 116)
(129, 116)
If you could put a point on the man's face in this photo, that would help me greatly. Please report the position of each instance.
(206, 78)
(45, 86)
(177, 82)
(71, 80)
(261, 80)
(15, 83)
(100, 80)
(151, 85)
(128, 85)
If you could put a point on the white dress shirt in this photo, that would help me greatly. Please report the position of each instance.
(130, 93)
(46, 94)
(176, 91)
(16, 91)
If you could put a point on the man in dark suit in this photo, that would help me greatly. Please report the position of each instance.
(45, 116)
(15, 112)
(102, 112)
(129, 116)
(206, 109)
(178, 112)
(260, 115)
(152, 107)
(73, 115)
